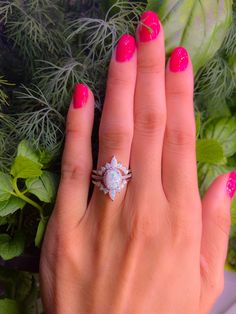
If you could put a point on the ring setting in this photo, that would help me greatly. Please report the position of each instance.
(111, 178)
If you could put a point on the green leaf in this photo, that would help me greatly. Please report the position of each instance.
(11, 206)
(207, 173)
(25, 168)
(224, 131)
(5, 186)
(8, 306)
(24, 149)
(44, 187)
(199, 26)
(40, 232)
(210, 151)
(11, 247)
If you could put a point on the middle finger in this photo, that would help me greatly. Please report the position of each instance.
(150, 104)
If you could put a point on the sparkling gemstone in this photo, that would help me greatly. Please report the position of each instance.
(112, 179)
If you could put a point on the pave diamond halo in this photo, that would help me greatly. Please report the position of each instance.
(111, 178)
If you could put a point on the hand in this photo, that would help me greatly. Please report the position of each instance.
(157, 248)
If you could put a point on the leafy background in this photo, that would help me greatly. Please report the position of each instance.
(45, 48)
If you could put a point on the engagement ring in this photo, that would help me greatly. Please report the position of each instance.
(111, 178)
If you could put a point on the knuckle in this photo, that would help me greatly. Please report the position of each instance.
(184, 93)
(150, 65)
(119, 79)
(143, 230)
(184, 233)
(115, 139)
(176, 138)
(74, 171)
(149, 121)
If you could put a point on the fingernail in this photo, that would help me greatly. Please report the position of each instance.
(179, 59)
(149, 26)
(125, 48)
(231, 184)
(80, 96)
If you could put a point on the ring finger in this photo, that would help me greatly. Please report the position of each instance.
(116, 128)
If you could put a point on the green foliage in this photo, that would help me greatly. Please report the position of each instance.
(8, 306)
(11, 247)
(205, 21)
(25, 185)
(210, 151)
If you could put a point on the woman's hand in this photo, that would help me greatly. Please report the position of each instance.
(157, 248)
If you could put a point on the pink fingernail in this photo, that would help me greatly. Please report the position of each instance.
(179, 59)
(125, 48)
(231, 184)
(149, 26)
(80, 96)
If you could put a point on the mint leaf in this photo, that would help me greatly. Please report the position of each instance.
(44, 187)
(24, 149)
(8, 306)
(11, 206)
(23, 167)
(11, 247)
(210, 151)
(205, 21)
(40, 232)
(5, 186)
(224, 131)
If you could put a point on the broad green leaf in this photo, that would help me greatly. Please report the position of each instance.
(40, 232)
(24, 149)
(224, 131)
(207, 173)
(11, 247)
(5, 186)
(8, 306)
(199, 26)
(23, 167)
(210, 151)
(44, 187)
(11, 206)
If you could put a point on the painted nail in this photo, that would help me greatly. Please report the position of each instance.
(149, 26)
(231, 184)
(125, 48)
(179, 59)
(80, 96)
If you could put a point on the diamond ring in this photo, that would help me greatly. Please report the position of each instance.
(111, 178)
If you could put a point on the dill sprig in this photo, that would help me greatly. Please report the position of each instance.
(38, 121)
(58, 80)
(216, 80)
(97, 38)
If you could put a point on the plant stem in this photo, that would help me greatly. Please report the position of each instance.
(26, 199)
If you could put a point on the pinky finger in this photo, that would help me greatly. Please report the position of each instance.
(215, 232)
(76, 166)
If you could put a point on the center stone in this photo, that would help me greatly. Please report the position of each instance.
(112, 179)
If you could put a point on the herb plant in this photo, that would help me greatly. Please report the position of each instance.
(46, 47)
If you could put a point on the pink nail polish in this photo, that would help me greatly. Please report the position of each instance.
(179, 59)
(125, 48)
(231, 184)
(80, 96)
(149, 26)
